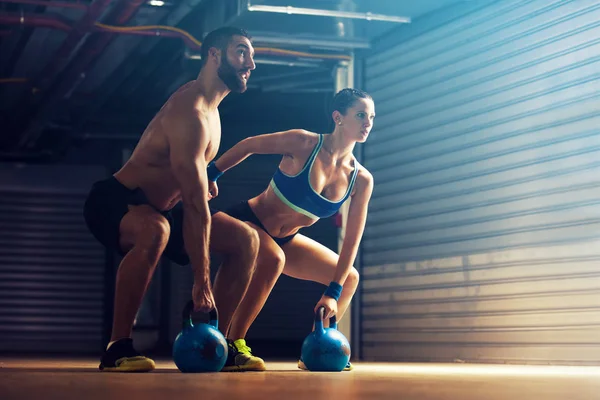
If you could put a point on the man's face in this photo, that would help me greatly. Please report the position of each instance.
(236, 64)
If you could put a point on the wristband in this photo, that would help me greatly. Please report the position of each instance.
(212, 172)
(334, 290)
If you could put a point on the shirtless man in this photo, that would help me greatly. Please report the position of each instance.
(157, 203)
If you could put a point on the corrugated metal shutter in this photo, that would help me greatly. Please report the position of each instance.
(51, 268)
(482, 237)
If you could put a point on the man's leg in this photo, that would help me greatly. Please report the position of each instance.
(144, 233)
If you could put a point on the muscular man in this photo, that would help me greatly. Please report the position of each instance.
(134, 212)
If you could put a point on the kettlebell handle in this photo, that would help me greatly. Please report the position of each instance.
(320, 315)
(187, 316)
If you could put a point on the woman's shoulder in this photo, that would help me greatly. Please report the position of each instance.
(364, 179)
(303, 138)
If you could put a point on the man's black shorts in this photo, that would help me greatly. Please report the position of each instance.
(107, 203)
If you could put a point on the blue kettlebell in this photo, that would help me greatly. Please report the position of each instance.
(325, 349)
(201, 347)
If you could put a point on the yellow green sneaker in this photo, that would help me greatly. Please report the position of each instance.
(240, 358)
(349, 366)
(122, 357)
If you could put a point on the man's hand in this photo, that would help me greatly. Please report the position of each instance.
(330, 306)
(213, 189)
(203, 297)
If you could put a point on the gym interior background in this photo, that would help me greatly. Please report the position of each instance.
(482, 235)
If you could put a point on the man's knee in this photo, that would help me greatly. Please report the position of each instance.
(245, 242)
(251, 240)
(151, 233)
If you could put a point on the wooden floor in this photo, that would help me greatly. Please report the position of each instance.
(79, 379)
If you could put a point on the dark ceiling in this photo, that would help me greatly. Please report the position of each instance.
(70, 70)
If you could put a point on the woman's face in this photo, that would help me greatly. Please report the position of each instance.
(358, 121)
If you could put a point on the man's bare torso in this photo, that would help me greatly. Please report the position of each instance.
(149, 167)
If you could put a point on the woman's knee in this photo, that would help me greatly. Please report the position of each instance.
(272, 259)
(352, 279)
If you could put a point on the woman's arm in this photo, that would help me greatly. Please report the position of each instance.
(355, 225)
(285, 143)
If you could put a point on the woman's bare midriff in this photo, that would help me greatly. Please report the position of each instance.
(278, 219)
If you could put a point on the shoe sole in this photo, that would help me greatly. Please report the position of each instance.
(132, 366)
(244, 368)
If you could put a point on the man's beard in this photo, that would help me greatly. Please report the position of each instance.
(231, 77)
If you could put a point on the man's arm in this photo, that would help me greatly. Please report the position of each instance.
(285, 143)
(188, 141)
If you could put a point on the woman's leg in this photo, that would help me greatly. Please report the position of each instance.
(310, 260)
(269, 265)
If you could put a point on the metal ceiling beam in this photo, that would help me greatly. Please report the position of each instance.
(138, 88)
(328, 13)
(143, 56)
(69, 45)
(131, 69)
(314, 42)
(86, 56)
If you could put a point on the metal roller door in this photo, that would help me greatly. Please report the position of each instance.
(52, 271)
(482, 237)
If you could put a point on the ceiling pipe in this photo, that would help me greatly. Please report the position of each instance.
(84, 61)
(329, 43)
(328, 13)
(57, 4)
(42, 21)
(56, 22)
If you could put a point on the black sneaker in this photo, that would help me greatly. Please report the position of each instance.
(240, 358)
(122, 357)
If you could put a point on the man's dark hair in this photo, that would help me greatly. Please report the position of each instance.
(220, 39)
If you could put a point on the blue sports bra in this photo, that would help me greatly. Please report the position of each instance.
(296, 191)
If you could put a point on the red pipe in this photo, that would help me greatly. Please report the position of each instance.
(55, 22)
(43, 21)
(60, 4)
(156, 33)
